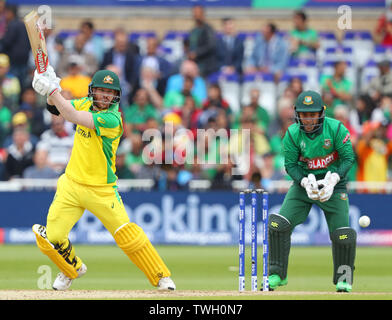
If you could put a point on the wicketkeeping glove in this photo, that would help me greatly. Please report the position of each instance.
(329, 182)
(311, 186)
(46, 83)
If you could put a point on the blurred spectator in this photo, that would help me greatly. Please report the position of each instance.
(296, 86)
(373, 151)
(175, 99)
(20, 121)
(124, 56)
(94, 43)
(15, 44)
(3, 19)
(188, 69)
(338, 86)
(75, 81)
(33, 112)
(134, 159)
(10, 85)
(303, 40)
(230, 48)
(5, 121)
(270, 53)
(137, 114)
(152, 53)
(268, 170)
(284, 118)
(176, 64)
(40, 169)
(86, 60)
(59, 144)
(382, 84)
(254, 109)
(383, 32)
(202, 48)
(122, 171)
(189, 114)
(384, 113)
(224, 177)
(364, 107)
(216, 100)
(55, 48)
(20, 154)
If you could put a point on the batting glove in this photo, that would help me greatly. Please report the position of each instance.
(47, 83)
(311, 186)
(329, 182)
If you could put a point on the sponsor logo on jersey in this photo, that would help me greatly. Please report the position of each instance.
(347, 137)
(320, 162)
(343, 196)
(308, 100)
(327, 143)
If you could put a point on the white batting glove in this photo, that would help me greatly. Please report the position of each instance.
(47, 83)
(329, 182)
(311, 186)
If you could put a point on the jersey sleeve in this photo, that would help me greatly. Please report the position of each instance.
(345, 150)
(107, 125)
(291, 153)
(78, 103)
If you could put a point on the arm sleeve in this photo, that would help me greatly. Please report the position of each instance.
(345, 150)
(52, 109)
(107, 125)
(291, 155)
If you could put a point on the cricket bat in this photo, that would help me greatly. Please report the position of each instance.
(37, 41)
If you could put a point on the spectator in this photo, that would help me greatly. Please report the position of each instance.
(188, 69)
(55, 48)
(202, 48)
(303, 40)
(20, 154)
(338, 86)
(59, 144)
(122, 171)
(374, 151)
(383, 32)
(33, 112)
(125, 57)
(15, 44)
(10, 85)
(87, 60)
(20, 121)
(270, 53)
(341, 113)
(136, 114)
(94, 43)
(75, 81)
(164, 66)
(3, 19)
(40, 169)
(382, 84)
(5, 121)
(134, 159)
(216, 100)
(189, 114)
(175, 99)
(230, 48)
(364, 107)
(258, 113)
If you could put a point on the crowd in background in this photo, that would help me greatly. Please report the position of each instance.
(182, 92)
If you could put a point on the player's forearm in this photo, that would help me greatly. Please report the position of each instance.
(295, 172)
(347, 162)
(69, 113)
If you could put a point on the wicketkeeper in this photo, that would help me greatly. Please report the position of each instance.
(89, 182)
(318, 154)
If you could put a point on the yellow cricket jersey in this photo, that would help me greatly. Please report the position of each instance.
(93, 155)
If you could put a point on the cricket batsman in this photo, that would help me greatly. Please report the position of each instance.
(89, 182)
(318, 154)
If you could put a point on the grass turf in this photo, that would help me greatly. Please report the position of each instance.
(208, 268)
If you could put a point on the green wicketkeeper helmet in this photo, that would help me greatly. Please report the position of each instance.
(105, 79)
(310, 101)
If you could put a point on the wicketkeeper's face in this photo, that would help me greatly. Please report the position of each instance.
(309, 120)
(103, 97)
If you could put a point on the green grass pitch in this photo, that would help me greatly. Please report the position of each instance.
(205, 268)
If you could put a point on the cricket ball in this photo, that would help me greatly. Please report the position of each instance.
(364, 221)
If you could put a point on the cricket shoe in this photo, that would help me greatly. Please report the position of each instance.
(275, 281)
(166, 283)
(343, 286)
(62, 282)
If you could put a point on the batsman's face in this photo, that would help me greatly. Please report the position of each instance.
(309, 120)
(103, 97)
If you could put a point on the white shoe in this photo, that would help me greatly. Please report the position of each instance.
(62, 282)
(166, 284)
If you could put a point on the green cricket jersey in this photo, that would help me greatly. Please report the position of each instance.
(329, 149)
